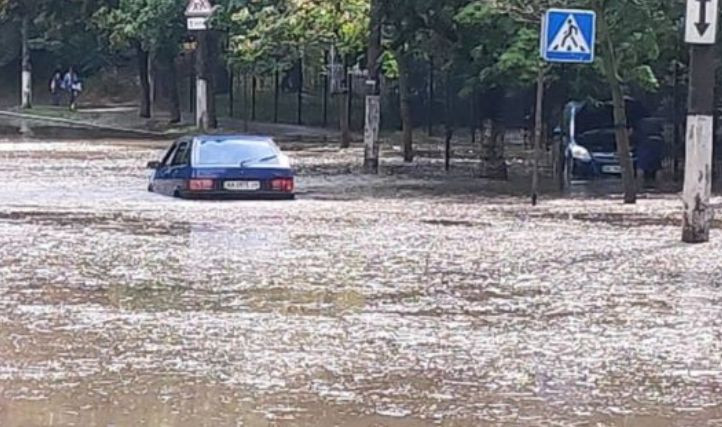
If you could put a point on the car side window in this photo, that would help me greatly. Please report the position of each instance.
(169, 155)
(182, 154)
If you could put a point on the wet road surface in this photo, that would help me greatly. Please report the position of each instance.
(368, 302)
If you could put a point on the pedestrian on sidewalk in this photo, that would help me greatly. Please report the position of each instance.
(56, 83)
(72, 84)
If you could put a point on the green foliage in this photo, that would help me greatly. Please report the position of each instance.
(265, 34)
(640, 31)
(495, 48)
(157, 25)
(483, 44)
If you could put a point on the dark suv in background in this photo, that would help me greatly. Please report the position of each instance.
(589, 140)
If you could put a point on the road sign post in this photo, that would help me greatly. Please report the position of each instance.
(701, 33)
(198, 13)
(567, 36)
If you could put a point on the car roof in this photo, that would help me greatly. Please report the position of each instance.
(234, 137)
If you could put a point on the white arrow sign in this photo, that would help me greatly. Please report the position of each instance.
(701, 24)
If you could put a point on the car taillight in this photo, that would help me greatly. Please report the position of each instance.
(282, 184)
(200, 184)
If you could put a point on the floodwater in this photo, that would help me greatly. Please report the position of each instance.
(388, 301)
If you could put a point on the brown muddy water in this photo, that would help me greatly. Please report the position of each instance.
(348, 307)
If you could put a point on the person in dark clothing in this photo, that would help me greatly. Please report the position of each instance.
(650, 149)
(56, 83)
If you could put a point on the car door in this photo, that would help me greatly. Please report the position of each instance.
(162, 174)
(179, 168)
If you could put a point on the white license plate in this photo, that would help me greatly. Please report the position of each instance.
(612, 169)
(242, 185)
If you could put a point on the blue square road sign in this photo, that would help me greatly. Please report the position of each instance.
(569, 35)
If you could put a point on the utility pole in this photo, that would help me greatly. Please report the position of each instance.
(373, 99)
(701, 33)
(198, 13)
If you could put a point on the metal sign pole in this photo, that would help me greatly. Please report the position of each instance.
(568, 36)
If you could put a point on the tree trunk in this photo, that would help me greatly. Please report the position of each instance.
(430, 111)
(343, 107)
(151, 80)
(192, 86)
(538, 120)
(405, 107)
(231, 92)
(373, 110)
(246, 110)
(349, 92)
(143, 59)
(27, 72)
(211, 40)
(493, 164)
(300, 91)
(254, 86)
(175, 103)
(449, 121)
(620, 113)
(276, 93)
(324, 105)
(371, 133)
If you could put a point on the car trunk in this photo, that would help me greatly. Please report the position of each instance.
(247, 174)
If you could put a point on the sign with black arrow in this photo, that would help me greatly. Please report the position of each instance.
(701, 25)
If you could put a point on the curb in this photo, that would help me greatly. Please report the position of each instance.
(75, 123)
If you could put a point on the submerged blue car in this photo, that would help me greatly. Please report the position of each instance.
(223, 167)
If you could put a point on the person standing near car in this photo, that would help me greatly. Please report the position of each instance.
(72, 84)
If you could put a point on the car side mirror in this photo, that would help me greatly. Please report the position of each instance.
(153, 165)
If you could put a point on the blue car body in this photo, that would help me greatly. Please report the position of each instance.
(223, 167)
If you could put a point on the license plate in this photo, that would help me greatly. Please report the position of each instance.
(612, 169)
(242, 185)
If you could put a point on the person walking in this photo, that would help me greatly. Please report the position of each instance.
(56, 83)
(72, 84)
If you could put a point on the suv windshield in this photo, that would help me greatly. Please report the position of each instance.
(236, 153)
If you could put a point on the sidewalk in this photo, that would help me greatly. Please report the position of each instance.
(124, 119)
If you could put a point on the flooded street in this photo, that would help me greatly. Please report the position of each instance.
(388, 301)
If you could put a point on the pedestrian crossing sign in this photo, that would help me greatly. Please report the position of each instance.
(568, 35)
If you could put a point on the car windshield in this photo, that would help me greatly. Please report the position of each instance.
(236, 153)
(598, 141)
